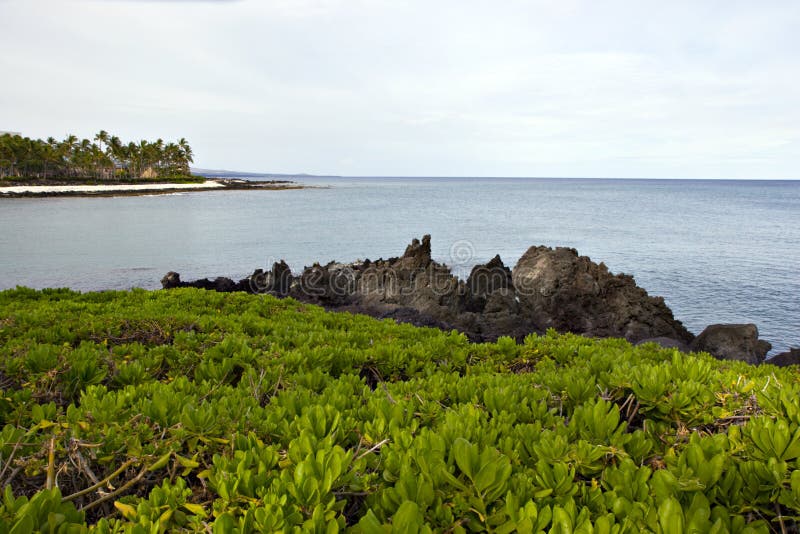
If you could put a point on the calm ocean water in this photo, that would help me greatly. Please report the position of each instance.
(717, 251)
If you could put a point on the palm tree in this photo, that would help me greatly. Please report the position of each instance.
(6, 155)
(103, 138)
(73, 157)
(114, 150)
(172, 153)
(66, 151)
(187, 155)
(49, 154)
(132, 156)
(158, 154)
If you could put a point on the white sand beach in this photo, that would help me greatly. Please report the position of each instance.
(121, 188)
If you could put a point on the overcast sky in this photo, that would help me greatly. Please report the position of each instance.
(665, 89)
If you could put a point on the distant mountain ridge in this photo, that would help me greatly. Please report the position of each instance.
(219, 173)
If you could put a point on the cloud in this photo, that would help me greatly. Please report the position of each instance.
(173, 1)
(373, 87)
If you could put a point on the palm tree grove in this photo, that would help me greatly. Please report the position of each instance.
(105, 157)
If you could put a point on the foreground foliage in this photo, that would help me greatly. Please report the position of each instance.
(199, 411)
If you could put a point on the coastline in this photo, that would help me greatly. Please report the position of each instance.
(100, 190)
(549, 288)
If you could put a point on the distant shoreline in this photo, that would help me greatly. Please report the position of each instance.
(101, 190)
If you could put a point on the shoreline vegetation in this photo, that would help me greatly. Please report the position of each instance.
(106, 166)
(191, 410)
(105, 157)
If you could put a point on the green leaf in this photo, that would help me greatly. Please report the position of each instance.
(670, 517)
(407, 519)
(465, 455)
(369, 524)
(195, 509)
(24, 525)
(224, 524)
(127, 511)
(161, 462)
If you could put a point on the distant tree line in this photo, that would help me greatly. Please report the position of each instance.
(105, 157)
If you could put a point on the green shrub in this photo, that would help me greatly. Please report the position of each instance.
(193, 411)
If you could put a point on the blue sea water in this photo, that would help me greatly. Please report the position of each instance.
(717, 251)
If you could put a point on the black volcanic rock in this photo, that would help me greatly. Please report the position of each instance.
(171, 280)
(277, 281)
(222, 284)
(548, 288)
(732, 342)
(784, 359)
(417, 254)
(483, 281)
(559, 289)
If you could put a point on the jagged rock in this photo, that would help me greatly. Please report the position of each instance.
(784, 359)
(333, 284)
(559, 289)
(281, 278)
(548, 288)
(484, 281)
(763, 347)
(259, 282)
(171, 280)
(732, 342)
(413, 280)
(222, 284)
(277, 281)
(417, 255)
(225, 285)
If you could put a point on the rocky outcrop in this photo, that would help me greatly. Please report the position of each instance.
(732, 342)
(489, 282)
(277, 281)
(222, 284)
(548, 288)
(559, 289)
(785, 359)
(171, 280)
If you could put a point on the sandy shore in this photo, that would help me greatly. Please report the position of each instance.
(122, 188)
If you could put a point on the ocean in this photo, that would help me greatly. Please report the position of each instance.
(718, 251)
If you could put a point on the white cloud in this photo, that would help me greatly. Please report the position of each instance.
(377, 87)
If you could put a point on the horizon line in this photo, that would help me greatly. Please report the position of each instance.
(422, 176)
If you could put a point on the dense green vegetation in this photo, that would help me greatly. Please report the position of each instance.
(199, 411)
(104, 158)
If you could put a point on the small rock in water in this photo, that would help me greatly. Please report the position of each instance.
(784, 359)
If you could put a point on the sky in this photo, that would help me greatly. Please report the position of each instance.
(567, 88)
